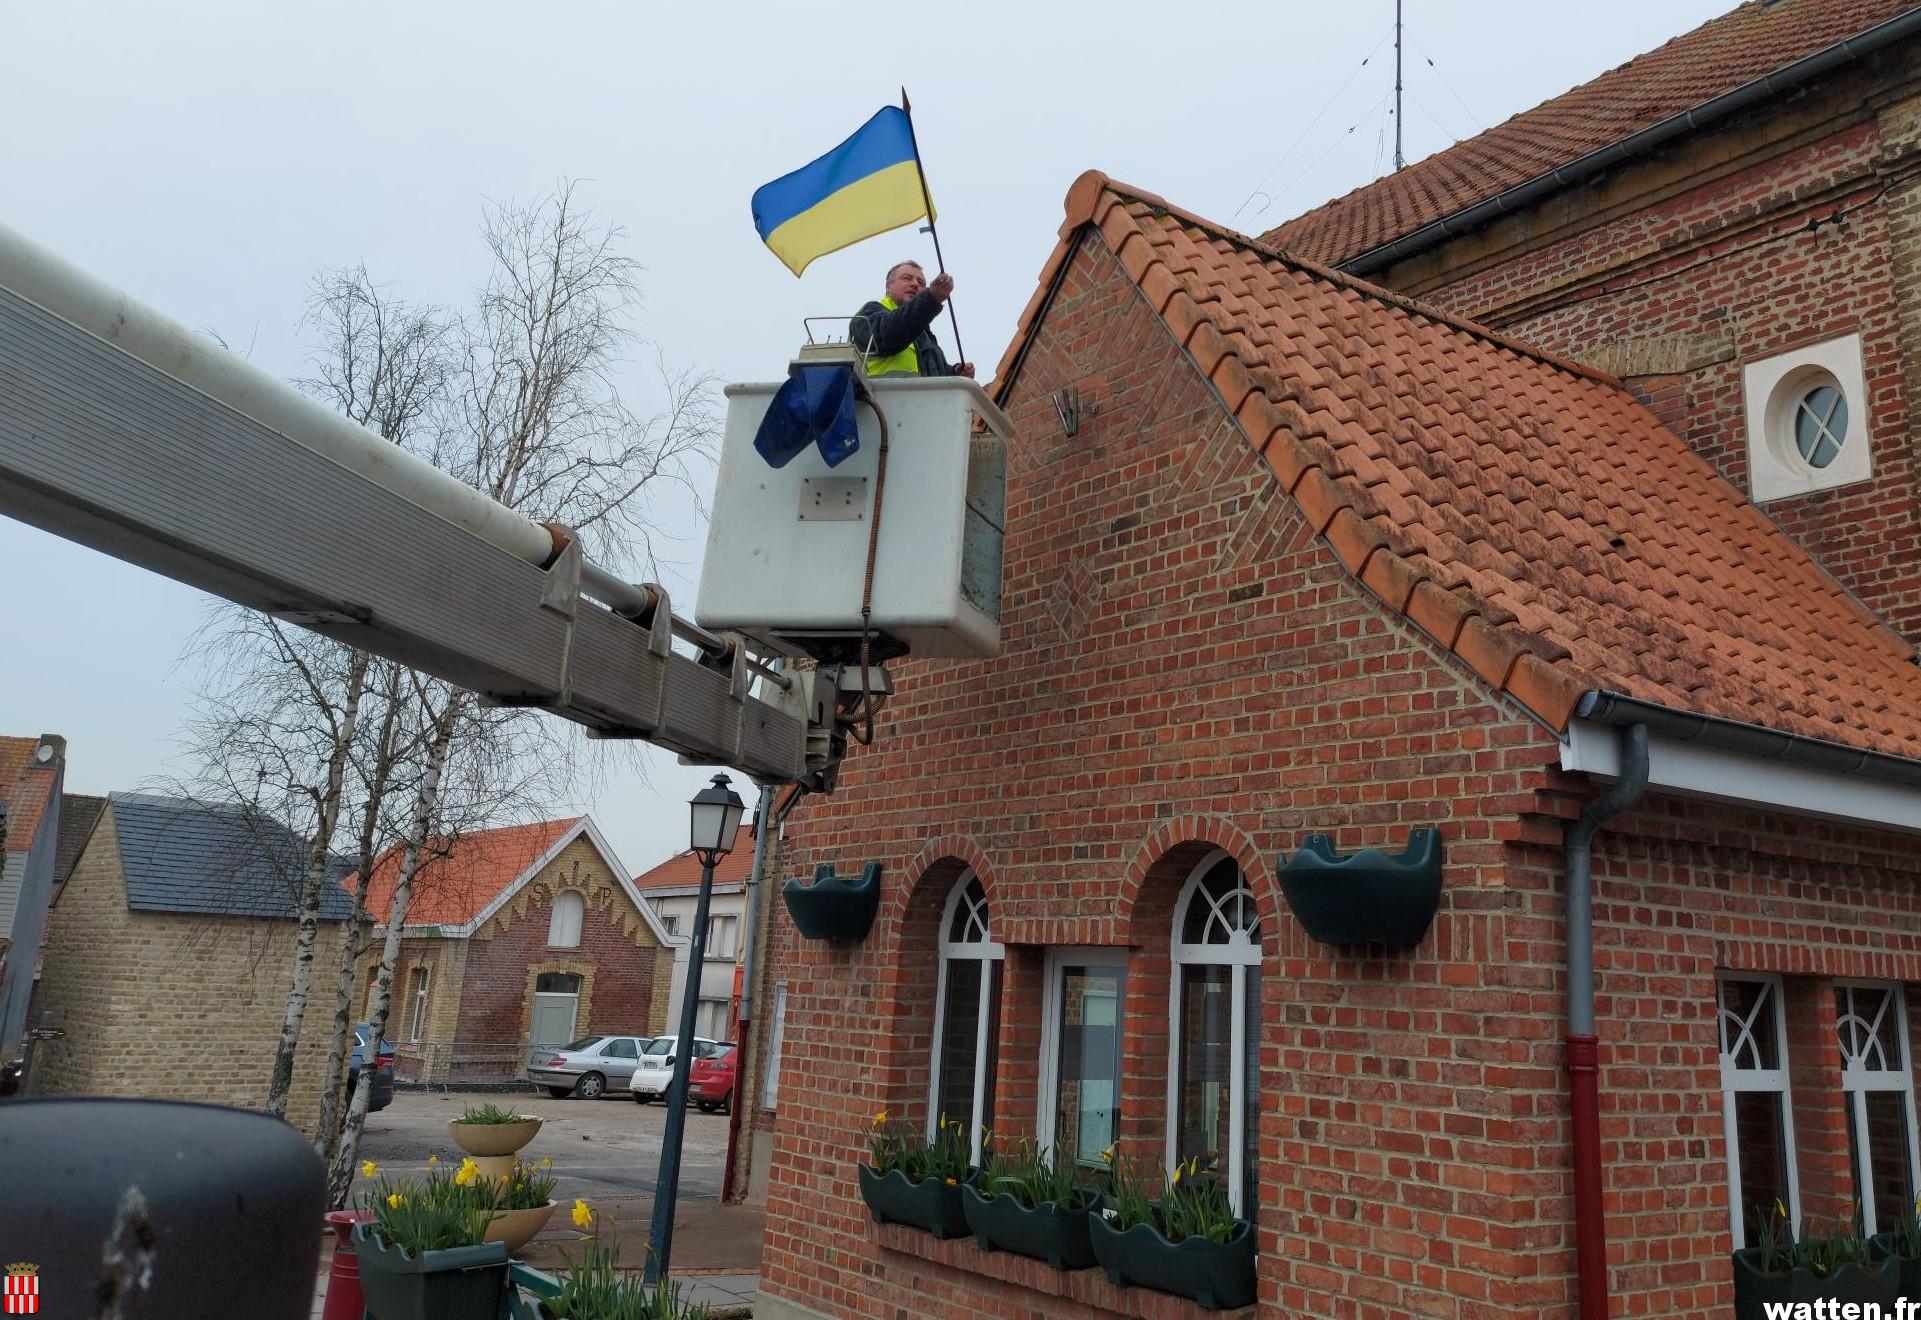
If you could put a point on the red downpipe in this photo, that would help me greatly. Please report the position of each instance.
(1590, 1216)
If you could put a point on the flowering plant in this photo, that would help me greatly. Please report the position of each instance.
(901, 1146)
(592, 1289)
(451, 1209)
(1034, 1178)
(1193, 1201)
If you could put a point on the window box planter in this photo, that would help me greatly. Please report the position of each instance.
(1755, 1290)
(834, 908)
(459, 1283)
(1909, 1267)
(1368, 897)
(1217, 1275)
(929, 1204)
(1055, 1233)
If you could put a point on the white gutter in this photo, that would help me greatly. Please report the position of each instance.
(1693, 768)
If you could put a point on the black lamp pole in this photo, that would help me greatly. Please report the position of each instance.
(716, 818)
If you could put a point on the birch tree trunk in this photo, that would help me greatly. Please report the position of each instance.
(340, 1174)
(319, 867)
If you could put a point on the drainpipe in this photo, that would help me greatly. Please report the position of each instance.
(1583, 1046)
(763, 820)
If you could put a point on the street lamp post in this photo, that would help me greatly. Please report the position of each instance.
(716, 818)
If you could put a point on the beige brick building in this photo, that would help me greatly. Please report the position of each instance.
(169, 957)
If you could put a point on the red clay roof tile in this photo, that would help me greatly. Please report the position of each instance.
(470, 872)
(1717, 57)
(1525, 512)
(683, 869)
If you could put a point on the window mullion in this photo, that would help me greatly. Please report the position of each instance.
(981, 1045)
(1237, 1084)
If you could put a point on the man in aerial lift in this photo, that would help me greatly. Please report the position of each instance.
(897, 331)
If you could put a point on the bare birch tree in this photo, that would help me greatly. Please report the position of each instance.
(535, 420)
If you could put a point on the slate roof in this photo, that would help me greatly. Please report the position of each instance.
(682, 871)
(473, 870)
(219, 860)
(1715, 58)
(1524, 511)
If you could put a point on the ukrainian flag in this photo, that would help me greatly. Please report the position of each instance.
(867, 185)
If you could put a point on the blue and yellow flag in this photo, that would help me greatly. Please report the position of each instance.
(867, 185)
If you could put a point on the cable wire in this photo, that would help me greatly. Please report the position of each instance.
(1295, 145)
(1445, 83)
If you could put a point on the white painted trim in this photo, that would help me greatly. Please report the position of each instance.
(1694, 769)
(1059, 958)
(584, 826)
(1856, 1082)
(1238, 954)
(983, 952)
(1772, 1081)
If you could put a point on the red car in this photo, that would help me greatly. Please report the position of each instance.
(710, 1082)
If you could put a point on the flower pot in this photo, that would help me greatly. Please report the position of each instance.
(492, 1167)
(1909, 1267)
(1218, 1275)
(458, 1283)
(832, 907)
(514, 1229)
(1368, 897)
(1052, 1232)
(928, 1204)
(493, 1138)
(1756, 1290)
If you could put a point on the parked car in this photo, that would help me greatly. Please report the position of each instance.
(710, 1082)
(588, 1067)
(656, 1068)
(383, 1068)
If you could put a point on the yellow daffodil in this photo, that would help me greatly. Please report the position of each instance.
(880, 1118)
(395, 1200)
(1108, 1155)
(368, 1168)
(468, 1174)
(952, 1183)
(546, 1164)
(507, 1177)
(433, 1160)
(583, 1214)
(1179, 1169)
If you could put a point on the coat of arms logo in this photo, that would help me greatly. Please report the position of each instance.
(20, 1294)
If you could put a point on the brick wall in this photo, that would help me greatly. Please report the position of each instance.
(1184, 672)
(173, 1006)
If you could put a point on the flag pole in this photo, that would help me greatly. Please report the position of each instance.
(920, 172)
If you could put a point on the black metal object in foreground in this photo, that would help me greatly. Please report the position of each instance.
(160, 1209)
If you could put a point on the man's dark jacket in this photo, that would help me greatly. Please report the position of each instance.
(880, 333)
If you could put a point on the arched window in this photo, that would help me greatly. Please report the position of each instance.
(563, 928)
(1215, 1027)
(967, 1014)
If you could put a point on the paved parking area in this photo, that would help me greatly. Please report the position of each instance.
(608, 1148)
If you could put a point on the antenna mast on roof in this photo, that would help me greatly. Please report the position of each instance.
(1399, 158)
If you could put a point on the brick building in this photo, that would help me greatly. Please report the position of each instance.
(169, 957)
(523, 935)
(1327, 560)
(672, 890)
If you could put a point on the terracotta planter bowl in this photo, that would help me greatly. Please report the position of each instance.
(514, 1229)
(493, 1138)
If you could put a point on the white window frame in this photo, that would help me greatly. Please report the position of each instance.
(1772, 390)
(1775, 1080)
(1858, 1081)
(1059, 958)
(723, 935)
(417, 1020)
(986, 952)
(1239, 953)
(566, 902)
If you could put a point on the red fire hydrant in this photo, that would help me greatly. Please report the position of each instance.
(344, 1300)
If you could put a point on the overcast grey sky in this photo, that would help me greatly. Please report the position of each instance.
(209, 158)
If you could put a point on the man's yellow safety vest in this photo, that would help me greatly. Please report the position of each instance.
(905, 362)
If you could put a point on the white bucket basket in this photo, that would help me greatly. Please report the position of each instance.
(787, 548)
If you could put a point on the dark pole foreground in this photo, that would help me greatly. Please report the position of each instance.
(716, 818)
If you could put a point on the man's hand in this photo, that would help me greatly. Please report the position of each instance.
(965, 369)
(942, 286)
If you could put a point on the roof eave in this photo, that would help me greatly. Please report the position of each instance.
(1653, 136)
(1748, 739)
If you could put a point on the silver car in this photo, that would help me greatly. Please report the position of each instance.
(588, 1067)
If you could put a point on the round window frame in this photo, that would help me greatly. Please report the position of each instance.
(1783, 409)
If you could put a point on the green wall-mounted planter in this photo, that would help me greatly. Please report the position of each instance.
(832, 908)
(1758, 1293)
(1217, 1275)
(1053, 1232)
(1368, 897)
(929, 1204)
